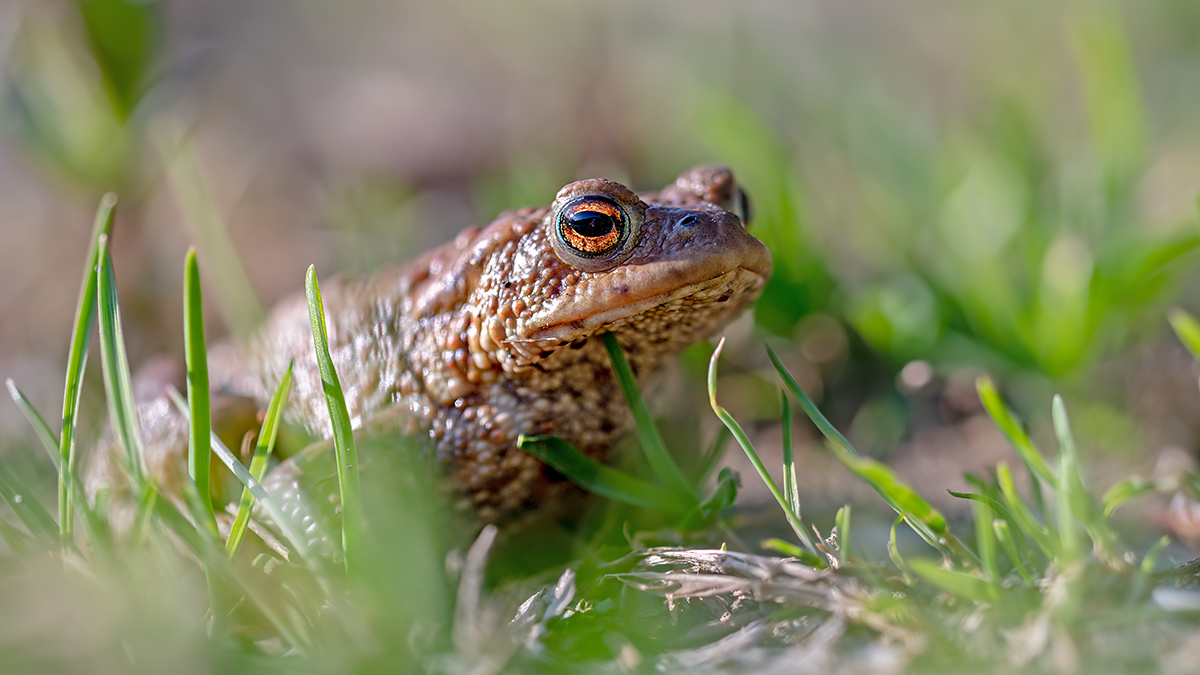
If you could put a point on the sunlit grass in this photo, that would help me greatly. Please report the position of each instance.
(1034, 559)
(258, 463)
(993, 236)
(343, 434)
(85, 315)
(199, 408)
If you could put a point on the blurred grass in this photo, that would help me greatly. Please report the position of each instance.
(1002, 243)
(1032, 586)
(976, 187)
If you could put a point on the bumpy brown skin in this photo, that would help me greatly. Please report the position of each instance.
(496, 335)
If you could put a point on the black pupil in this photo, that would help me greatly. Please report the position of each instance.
(592, 224)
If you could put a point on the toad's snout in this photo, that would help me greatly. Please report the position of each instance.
(712, 241)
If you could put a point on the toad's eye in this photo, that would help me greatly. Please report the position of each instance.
(595, 224)
(592, 227)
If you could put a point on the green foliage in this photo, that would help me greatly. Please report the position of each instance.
(289, 524)
(123, 35)
(343, 432)
(292, 594)
(792, 513)
(653, 447)
(123, 418)
(1029, 562)
(975, 229)
(85, 316)
(21, 500)
(995, 238)
(679, 497)
(258, 463)
(1004, 580)
(598, 478)
(199, 409)
(1187, 329)
(190, 187)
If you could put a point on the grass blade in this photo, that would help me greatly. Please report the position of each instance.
(806, 404)
(789, 549)
(985, 543)
(1008, 542)
(712, 455)
(793, 518)
(198, 493)
(20, 499)
(1130, 488)
(955, 582)
(51, 443)
(258, 465)
(917, 512)
(1068, 516)
(920, 514)
(982, 499)
(287, 526)
(790, 489)
(44, 433)
(199, 407)
(893, 551)
(1137, 590)
(115, 367)
(991, 494)
(1012, 429)
(1188, 330)
(191, 191)
(85, 316)
(1021, 514)
(598, 478)
(1073, 493)
(343, 435)
(217, 567)
(843, 534)
(16, 540)
(723, 497)
(660, 460)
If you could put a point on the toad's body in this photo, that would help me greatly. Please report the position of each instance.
(497, 334)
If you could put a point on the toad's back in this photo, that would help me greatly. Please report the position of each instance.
(497, 334)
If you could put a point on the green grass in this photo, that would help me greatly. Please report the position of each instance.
(85, 315)
(258, 463)
(343, 433)
(996, 213)
(1046, 560)
(199, 407)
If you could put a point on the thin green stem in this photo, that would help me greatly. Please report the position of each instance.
(258, 465)
(115, 368)
(199, 406)
(653, 447)
(85, 316)
(339, 416)
(793, 518)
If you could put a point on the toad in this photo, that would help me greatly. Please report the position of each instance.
(495, 335)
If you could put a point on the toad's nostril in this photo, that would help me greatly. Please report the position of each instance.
(688, 221)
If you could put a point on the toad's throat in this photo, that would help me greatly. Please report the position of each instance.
(735, 287)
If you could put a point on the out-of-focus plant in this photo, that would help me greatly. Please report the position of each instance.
(76, 80)
(996, 239)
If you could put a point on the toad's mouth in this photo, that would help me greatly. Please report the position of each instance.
(735, 287)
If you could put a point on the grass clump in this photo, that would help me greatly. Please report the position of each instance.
(1043, 582)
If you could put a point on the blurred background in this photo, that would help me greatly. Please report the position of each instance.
(947, 188)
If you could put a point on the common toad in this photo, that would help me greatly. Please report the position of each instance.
(497, 334)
